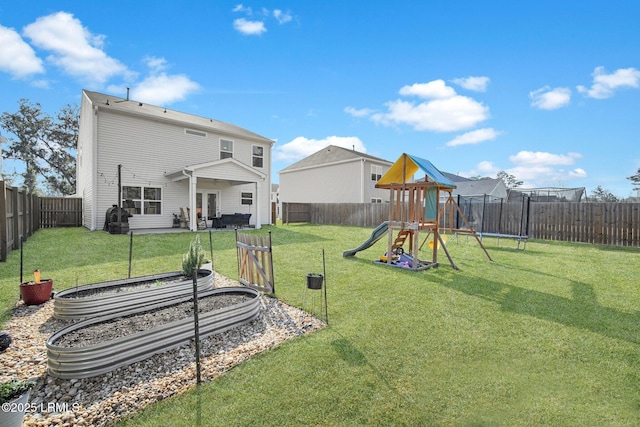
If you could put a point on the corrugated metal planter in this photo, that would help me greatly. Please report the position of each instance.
(92, 360)
(108, 300)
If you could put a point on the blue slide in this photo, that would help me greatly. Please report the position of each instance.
(375, 236)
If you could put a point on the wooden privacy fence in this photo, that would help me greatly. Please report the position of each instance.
(615, 224)
(255, 261)
(22, 214)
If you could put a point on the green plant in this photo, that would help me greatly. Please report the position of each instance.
(11, 389)
(192, 260)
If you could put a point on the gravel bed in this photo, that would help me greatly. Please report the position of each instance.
(106, 398)
(124, 288)
(127, 325)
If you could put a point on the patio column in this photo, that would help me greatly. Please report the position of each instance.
(193, 184)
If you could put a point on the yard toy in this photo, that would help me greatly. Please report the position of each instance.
(415, 206)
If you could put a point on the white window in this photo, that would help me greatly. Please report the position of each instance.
(142, 200)
(246, 198)
(376, 200)
(376, 173)
(258, 156)
(226, 149)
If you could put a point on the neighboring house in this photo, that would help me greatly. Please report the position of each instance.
(169, 160)
(334, 175)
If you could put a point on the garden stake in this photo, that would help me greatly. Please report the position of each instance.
(324, 270)
(130, 251)
(211, 249)
(21, 244)
(196, 326)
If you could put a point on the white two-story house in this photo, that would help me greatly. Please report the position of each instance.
(160, 160)
(334, 175)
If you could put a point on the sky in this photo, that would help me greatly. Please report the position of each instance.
(547, 91)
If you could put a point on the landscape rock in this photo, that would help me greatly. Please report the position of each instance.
(107, 398)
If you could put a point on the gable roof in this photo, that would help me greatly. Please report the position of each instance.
(407, 165)
(136, 108)
(331, 154)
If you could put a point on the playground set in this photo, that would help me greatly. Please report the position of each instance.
(416, 207)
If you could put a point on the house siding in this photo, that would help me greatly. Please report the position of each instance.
(85, 179)
(150, 148)
(337, 183)
(344, 182)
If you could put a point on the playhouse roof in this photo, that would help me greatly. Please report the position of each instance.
(406, 166)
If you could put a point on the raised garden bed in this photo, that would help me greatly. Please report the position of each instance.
(115, 296)
(98, 345)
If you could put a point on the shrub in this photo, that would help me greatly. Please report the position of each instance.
(192, 260)
(12, 389)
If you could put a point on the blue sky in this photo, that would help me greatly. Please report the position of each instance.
(548, 91)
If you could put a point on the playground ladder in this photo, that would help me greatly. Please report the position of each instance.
(402, 237)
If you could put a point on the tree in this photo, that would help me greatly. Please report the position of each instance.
(509, 180)
(600, 194)
(46, 145)
(635, 180)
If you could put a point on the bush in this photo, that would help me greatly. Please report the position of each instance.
(192, 260)
(12, 389)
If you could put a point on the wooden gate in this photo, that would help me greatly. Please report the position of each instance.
(255, 261)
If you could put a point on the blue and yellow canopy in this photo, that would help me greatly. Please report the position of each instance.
(403, 170)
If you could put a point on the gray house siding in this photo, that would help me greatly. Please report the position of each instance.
(333, 175)
(152, 146)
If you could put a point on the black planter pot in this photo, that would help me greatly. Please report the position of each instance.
(314, 281)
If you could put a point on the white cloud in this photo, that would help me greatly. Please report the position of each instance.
(443, 111)
(241, 8)
(363, 112)
(434, 89)
(16, 56)
(440, 115)
(535, 169)
(604, 85)
(250, 28)
(537, 158)
(550, 99)
(156, 64)
(476, 84)
(474, 137)
(484, 168)
(163, 89)
(73, 48)
(541, 169)
(302, 147)
(282, 17)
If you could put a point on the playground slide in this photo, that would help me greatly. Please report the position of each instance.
(375, 236)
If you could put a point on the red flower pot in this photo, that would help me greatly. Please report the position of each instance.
(33, 294)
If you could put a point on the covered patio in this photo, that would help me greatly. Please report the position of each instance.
(217, 177)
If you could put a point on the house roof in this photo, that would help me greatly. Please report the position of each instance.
(219, 169)
(405, 168)
(331, 154)
(131, 107)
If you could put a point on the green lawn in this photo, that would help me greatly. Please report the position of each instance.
(545, 336)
